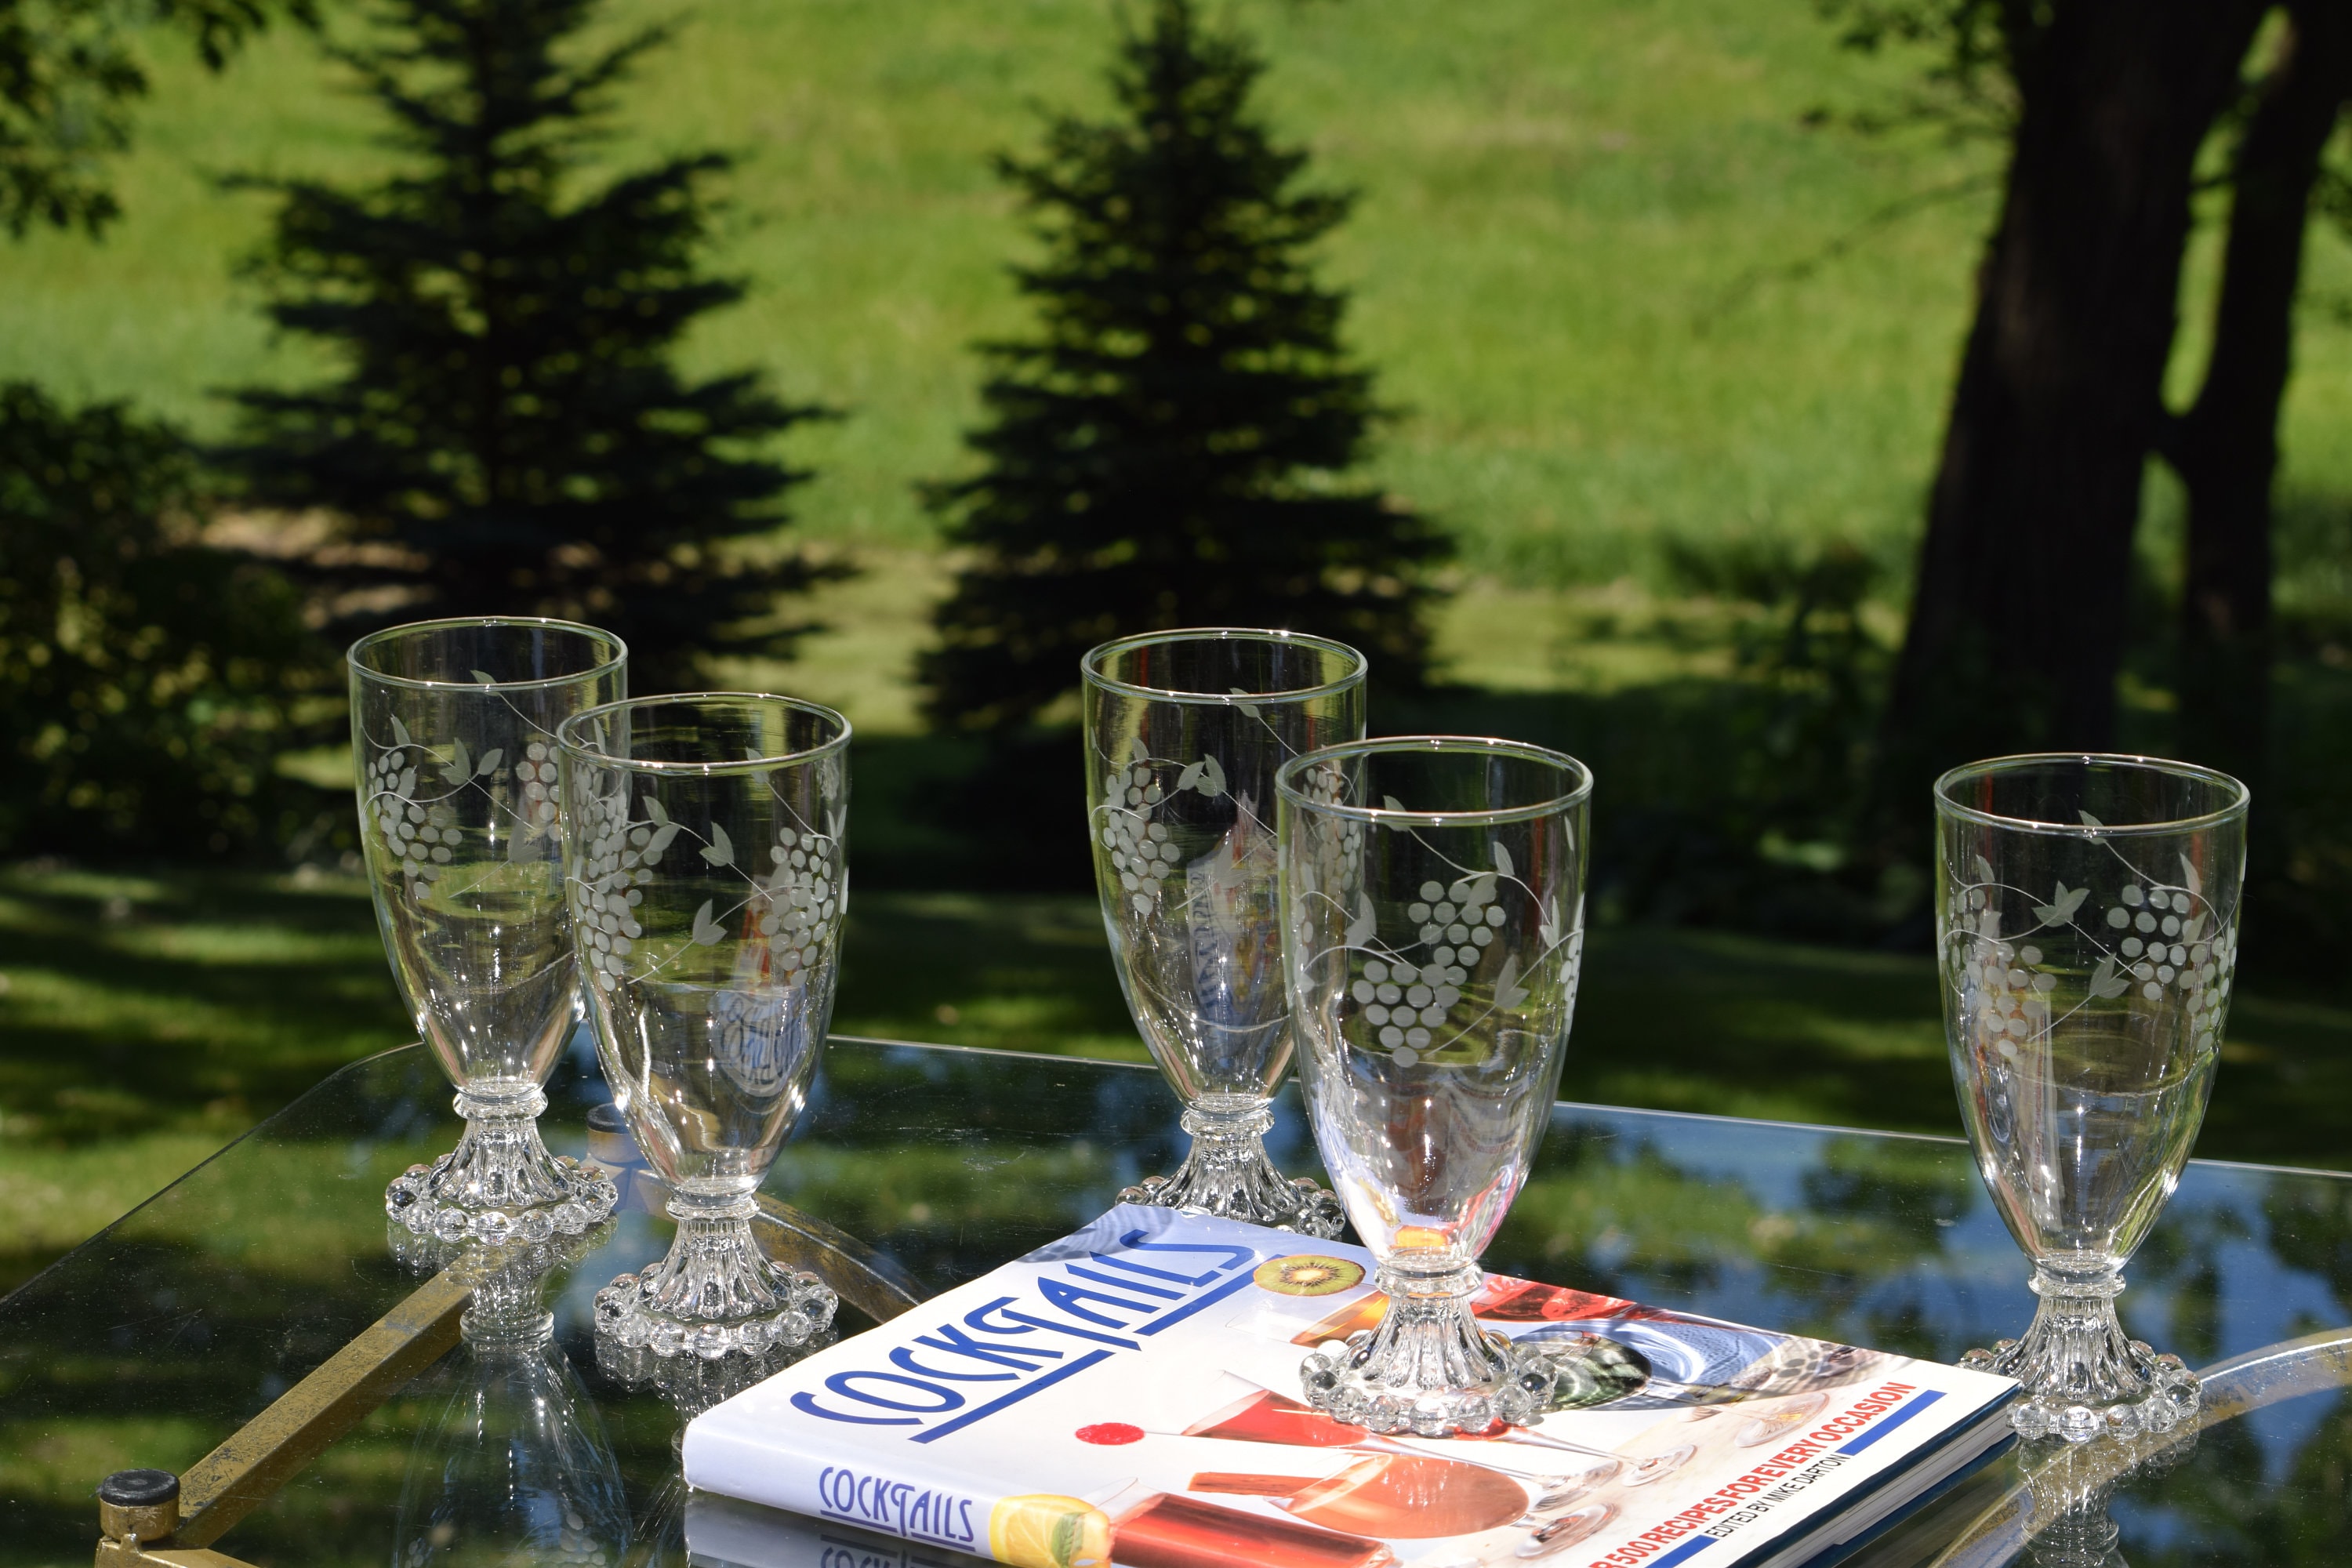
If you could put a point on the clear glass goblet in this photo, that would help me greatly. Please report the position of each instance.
(2086, 935)
(453, 730)
(703, 852)
(1434, 929)
(1184, 732)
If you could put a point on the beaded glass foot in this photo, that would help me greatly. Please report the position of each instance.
(1227, 1173)
(499, 1184)
(1428, 1369)
(692, 1385)
(2083, 1378)
(714, 1294)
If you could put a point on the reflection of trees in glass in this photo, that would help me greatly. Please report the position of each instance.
(2311, 1230)
(892, 1152)
(2234, 1503)
(1606, 1212)
(2239, 1503)
(1885, 1202)
(2183, 1257)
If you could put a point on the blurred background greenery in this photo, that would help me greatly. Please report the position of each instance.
(1669, 325)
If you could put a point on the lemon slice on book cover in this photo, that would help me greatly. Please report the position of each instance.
(1044, 1531)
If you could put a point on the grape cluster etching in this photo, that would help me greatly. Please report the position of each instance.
(1411, 998)
(1143, 852)
(787, 916)
(2157, 943)
(421, 830)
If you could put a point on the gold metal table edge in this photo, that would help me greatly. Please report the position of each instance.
(267, 1451)
(125, 1554)
(264, 1454)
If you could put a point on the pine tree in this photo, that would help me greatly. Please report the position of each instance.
(1168, 450)
(507, 433)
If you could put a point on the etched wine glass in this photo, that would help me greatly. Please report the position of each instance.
(2087, 937)
(703, 855)
(453, 730)
(1434, 929)
(1184, 732)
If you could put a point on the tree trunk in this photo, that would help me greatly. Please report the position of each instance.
(2018, 625)
(2225, 447)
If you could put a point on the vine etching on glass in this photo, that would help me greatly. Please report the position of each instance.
(2156, 942)
(1410, 997)
(420, 827)
(785, 921)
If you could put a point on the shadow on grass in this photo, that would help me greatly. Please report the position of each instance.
(180, 1001)
(146, 1018)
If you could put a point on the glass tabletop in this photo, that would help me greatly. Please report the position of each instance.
(154, 1341)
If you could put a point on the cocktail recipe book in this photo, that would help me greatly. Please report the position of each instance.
(1130, 1396)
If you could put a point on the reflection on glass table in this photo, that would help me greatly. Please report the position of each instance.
(153, 1342)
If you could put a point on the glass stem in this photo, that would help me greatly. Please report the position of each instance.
(2083, 1375)
(1228, 1154)
(714, 1292)
(500, 1162)
(499, 1184)
(1428, 1368)
(2077, 1342)
(1228, 1172)
(714, 1269)
(1428, 1338)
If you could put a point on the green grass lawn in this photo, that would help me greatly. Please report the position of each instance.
(1581, 265)
(147, 1020)
(1577, 260)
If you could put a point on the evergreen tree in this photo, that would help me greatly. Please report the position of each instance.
(1167, 450)
(507, 433)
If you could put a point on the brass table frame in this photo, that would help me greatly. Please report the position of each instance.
(235, 1478)
(269, 1450)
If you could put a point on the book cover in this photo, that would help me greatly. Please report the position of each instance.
(1130, 1396)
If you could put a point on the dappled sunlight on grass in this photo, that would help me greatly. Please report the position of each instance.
(55, 1462)
(1605, 181)
(54, 1198)
(1013, 972)
(150, 1019)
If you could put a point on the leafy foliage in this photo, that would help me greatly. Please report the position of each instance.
(67, 79)
(146, 681)
(1977, 52)
(509, 432)
(1168, 450)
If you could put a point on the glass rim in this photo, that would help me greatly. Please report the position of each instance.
(1991, 767)
(839, 742)
(1089, 663)
(1286, 780)
(540, 623)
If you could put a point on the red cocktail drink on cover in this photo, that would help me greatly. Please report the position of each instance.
(1172, 1531)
